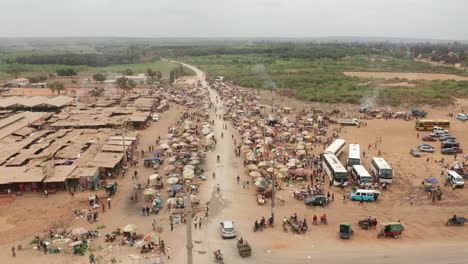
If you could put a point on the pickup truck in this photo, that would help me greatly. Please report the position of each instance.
(349, 122)
(416, 112)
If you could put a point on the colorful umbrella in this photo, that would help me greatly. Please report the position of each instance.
(151, 238)
(153, 177)
(170, 167)
(149, 191)
(252, 167)
(176, 187)
(255, 174)
(172, 180)
(164, 146)
(129, 228)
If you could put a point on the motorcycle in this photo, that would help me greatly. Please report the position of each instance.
(259, 228)
(218, 257)
(324, 220)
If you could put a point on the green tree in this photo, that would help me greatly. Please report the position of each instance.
(172, 77)
(128, 72)
(125, 84)
(99, 77)
(151, 73)
(56, 86)
(97, 92)
(66, 72)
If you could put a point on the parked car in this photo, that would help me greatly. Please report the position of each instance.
(428, 138)
(437, 129)
(449, 144)
(227, 229)
(446, 138)
(448, 151)
(316, 200)
(438, 134)
(425, 148)
(457, 149)
(415, 153)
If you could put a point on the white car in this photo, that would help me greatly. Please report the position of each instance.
(227, 229)
(439, 130)
(155, 118)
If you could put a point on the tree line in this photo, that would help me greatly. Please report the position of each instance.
(92, 60)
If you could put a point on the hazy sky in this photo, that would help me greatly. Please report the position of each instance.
(442, 19)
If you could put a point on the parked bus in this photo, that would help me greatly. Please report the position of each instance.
(361, 175)
(336, 148)
(335, 170)
(430, 124)
(382, 171)
(354, 155)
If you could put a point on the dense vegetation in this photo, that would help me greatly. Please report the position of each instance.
(322, 79)
(92, 60)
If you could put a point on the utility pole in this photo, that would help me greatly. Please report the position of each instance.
(189, 244)
(273, 192)
(124, 132)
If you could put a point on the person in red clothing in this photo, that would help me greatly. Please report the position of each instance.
(375, 223)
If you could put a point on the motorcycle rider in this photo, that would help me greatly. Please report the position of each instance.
(270, 221)
(256, 225)
(218, 255)
(323, 218)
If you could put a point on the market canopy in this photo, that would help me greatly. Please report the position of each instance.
(107, 159)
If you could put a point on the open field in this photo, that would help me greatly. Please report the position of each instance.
(407, 75)
(322, 80)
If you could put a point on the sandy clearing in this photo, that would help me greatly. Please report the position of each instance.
(407, 75)
(398, 84)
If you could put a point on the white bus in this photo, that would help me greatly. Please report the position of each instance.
(382, 171)
(362, 175)
(335, 170)
(354, 155)
(336, 148)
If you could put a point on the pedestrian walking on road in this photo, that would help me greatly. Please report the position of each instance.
(238, 179)
(172, 225)
(13, 251)
(153, 224)
(109, 203)
(199, 223)
(168, 252)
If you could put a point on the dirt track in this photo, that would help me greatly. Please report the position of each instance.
(407, 75)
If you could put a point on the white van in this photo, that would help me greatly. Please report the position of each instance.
(455, 179)
(364, 195)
